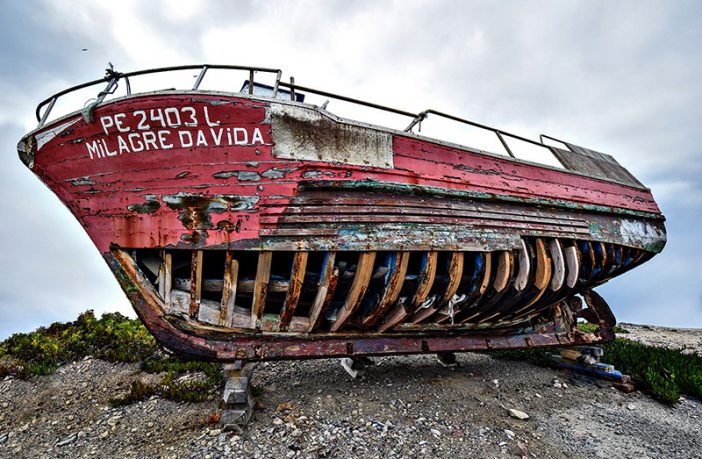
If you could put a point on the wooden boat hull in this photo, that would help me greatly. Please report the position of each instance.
(252, 228)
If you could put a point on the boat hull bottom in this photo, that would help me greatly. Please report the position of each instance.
(552, 324)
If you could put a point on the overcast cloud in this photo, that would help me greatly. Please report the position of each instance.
(619, 77)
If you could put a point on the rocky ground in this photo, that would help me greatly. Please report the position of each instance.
(401, 407)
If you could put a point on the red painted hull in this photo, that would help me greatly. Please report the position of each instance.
(194, 171)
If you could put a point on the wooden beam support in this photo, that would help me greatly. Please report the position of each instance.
(195, 284)
(263, 275)
(231, 278)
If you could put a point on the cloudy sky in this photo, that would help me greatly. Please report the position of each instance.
(619, 77)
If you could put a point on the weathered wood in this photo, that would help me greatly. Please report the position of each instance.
(524, 268)
(358, 289)
(542, 275)
(446, 291)
(161, 280)
(297, 278)
(231, 278)
(488, 271)
(559, 268)
(325, 291)
(393, 286)
(572, 256)
(196, 283)
(263, 274)
(505, 262)
(426, 280)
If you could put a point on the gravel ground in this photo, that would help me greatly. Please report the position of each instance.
(401, 407)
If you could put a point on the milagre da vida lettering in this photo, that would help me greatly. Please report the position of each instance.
(167, 128)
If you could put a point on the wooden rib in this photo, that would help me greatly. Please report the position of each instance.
(455, 272)
(297, 278)
(195, 284)
(168, 278)
(504, 269)
(559, 268)
(392, 289)
(522, 278)
(572, 256)
(231, 278)
(325, 292)
(263, 274)
(426, 280)
(542, 276)
(162, 276)
(587, 263)
(408, 306)
(358, 289)
(472, 291)
(488, 271)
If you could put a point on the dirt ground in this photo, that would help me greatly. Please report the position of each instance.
(401, 407)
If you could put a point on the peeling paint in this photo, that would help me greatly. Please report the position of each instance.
(244, 176)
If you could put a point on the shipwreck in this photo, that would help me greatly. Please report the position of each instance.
(251, 225)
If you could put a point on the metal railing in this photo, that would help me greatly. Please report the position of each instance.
(112, 79)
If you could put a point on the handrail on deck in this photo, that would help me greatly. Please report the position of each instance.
(112, 77)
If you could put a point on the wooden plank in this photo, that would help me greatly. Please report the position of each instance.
(297, 278)
(231, 278)
(263, 274)
(327, 284)
(393, 286)
(196, 283)
(366, 260)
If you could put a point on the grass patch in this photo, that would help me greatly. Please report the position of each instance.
(663, 373)
(115, 338)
